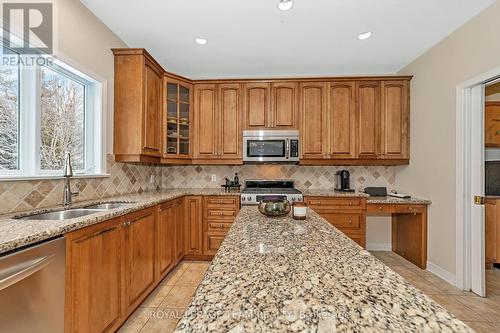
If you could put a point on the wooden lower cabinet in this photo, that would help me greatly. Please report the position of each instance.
(179, 230)
(165, 238)
(346, 214)
(219, 213)
(212, 240)
(492, 231)
(193, 228)
(111, 267)
(94, 282)
(139, 256)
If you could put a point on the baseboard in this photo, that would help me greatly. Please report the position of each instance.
(442, 273)
(379, 246)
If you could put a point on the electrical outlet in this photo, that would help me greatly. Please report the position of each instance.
(214, 178)
(152, 179)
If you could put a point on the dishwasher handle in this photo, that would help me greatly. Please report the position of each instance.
(23, 270)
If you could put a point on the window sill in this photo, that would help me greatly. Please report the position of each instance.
(49, 177)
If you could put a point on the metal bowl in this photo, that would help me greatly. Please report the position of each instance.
(274, 207)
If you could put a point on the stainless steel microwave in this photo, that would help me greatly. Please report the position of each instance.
(270, 146)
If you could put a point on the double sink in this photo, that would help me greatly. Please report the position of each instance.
(75, 212)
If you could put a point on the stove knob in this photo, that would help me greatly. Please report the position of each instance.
(294, 199)
(243, 198)
(249, 198)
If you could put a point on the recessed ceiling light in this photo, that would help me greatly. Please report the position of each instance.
(285, 5)
(365, 35)
(201, 40)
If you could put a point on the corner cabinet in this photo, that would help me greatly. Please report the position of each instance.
(218, 124)
(137, 106)
(177, 121)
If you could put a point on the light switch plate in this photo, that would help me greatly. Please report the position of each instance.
(214, 178)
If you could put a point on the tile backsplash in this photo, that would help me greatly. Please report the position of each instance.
(16, 196)
(306, 177)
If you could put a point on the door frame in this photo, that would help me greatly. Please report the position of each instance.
(469, 131)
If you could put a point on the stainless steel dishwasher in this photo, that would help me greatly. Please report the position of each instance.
(32, 288)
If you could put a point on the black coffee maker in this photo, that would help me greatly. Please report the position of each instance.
(343, 183)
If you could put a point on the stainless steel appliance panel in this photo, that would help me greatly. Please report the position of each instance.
(32, 289)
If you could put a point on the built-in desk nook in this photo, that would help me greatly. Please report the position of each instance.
(348, 211)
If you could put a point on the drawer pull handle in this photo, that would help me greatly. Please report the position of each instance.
(410, 208)
(350, 203)
(350, 221)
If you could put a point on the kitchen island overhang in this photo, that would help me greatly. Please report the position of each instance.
(283, 275)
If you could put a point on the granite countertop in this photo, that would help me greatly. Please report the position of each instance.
(282, 275)
(16, 233)
(369, 199)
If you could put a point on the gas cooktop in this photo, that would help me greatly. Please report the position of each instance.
(257, 190)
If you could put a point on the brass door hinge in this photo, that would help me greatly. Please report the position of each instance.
(478, 200)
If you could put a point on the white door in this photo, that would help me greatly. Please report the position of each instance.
(477, 227)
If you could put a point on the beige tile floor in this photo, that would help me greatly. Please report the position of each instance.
(161, 311)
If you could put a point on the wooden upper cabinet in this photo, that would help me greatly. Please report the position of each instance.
(284, 105)
(218, 123)
(140, 256)
(152, 111)
(137, 106)
(342, 120)
(395, 120)
(230, 121)
(314, 130)
(177, 120)
(492, 124)
(205, 106)
(368, 122)
(257, 105)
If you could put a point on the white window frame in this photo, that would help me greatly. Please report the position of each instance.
(29, 140)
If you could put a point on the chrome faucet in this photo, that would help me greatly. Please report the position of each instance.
(68, 173)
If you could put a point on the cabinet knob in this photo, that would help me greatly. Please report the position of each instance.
(410, 208)
(350, 221)
(380, 208)
(350, 203)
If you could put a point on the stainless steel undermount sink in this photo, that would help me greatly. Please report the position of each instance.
(108, 205)
(62, 214)
(75, 212)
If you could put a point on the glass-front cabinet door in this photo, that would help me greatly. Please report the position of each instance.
(178, 119)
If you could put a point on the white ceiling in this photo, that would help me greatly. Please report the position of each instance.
(253, 38)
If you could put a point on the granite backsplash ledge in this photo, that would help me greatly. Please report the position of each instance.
(17, 196)
(306, 177)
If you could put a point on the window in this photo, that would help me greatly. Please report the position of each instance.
(44, 112)
(9, 118)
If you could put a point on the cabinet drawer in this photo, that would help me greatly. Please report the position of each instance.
(352, 222)
(344, 203)
(221, 214)
(380, 208)
(219, 226)
(212, 242)
(219, 202)
(409, 208)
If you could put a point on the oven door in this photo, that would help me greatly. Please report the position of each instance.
(266, 149)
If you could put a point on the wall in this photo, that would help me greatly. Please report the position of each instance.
(464, 54)
(84, 42)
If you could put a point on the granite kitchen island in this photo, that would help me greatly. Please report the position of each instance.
(278, 275)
